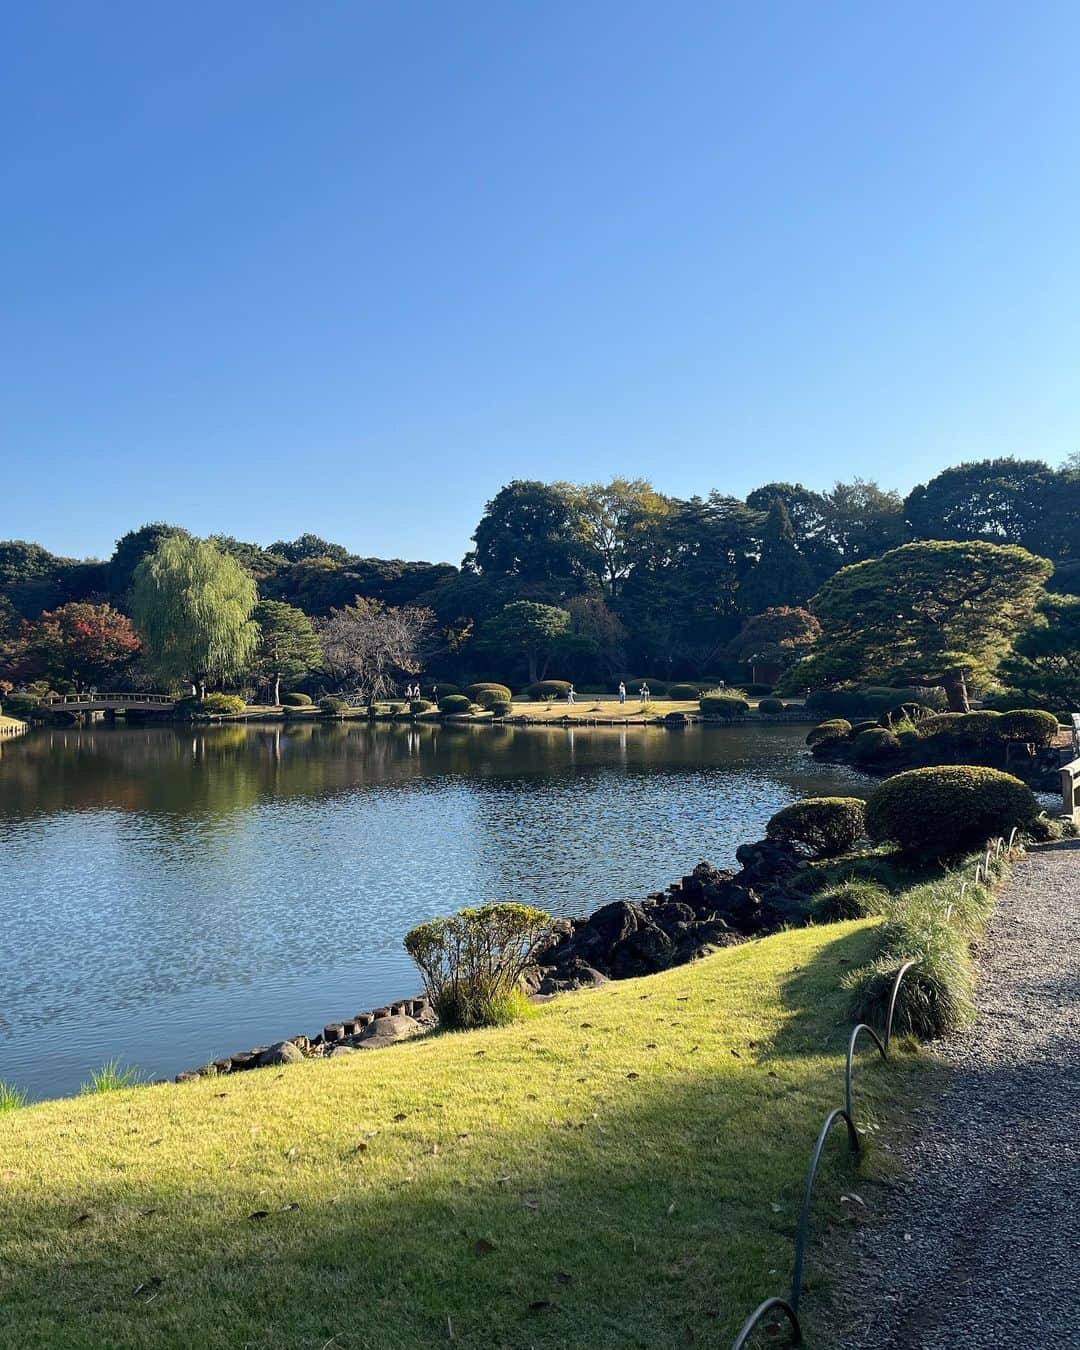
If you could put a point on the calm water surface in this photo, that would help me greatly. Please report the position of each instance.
(168, 896)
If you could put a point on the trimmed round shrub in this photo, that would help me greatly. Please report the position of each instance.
(771, 706)
(945, 811)
(445, 688)
(757, 690)
(296, 700)
(723, 705)
(819, 827)
(419, 705)
(455, 703)
(876, 745)
(851, 899)
(221, 704)
(487, 694)
(683, 690)
(545, 689)
(856, 727)
(501, 708)
(871, 700)
(960, 734)
(833, 730)
(1027, 724)
(331, 706)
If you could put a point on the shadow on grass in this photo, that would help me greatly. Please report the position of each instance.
(646, 1208)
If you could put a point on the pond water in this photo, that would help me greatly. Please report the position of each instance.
(171, 895)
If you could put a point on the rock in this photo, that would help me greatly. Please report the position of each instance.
(284, 1052)
(574, 974)
(243, 1060)
(187, 1076)
(338, 1049)
(386, 1031)
(766, 861)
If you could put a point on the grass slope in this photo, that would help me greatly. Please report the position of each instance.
(624, 1169)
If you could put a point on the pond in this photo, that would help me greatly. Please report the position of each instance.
(170, 895)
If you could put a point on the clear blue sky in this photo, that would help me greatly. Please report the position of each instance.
(348, 267)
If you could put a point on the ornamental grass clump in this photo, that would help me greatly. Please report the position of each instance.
(850, 899)
(111, 1077)
(819, 827)
(473, 961)
(11, 1098)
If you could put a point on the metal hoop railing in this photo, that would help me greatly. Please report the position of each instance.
(790, 1306)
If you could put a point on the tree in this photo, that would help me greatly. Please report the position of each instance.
(132, 548)
(367, 645)
(192, 606)
(1000, 500)
(1044, 664)
(81, 643)
(925, 613)
(532, 629)
(612, 520)
(288, 644)
(778, 637)
(528, 532)
(862, 520)
(782, 575)
(310, 546)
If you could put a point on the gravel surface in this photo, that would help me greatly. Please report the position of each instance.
(980, 1246)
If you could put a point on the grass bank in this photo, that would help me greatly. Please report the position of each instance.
(623, 1169)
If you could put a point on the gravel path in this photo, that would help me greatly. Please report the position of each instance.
(980, 1246)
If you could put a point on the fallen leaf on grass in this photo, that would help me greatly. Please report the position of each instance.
(258, 1214)
(540, 1305)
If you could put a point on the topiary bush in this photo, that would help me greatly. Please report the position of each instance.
(871, 700)
(501, 708)
(851, 899)
(222, 704)
(723, 705)
(472, 962)
(905, 712)
(856, 727)
(455, 703)
(771, 706)
(1028, 725)
(331, 706)
(295, 700)
(683, 690)
(486, 694)
(945, 811)
(833, 730)
(819, 827)
(757, 690)
(420, 705)
(875, 746)
(545, 689)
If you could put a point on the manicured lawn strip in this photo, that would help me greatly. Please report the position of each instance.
(623, 1169)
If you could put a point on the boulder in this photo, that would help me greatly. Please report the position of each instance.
(386, 1031)
(338, 1049)
(284, 1052)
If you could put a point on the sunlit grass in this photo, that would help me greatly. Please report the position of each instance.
(111, 1077)
(623, 1169)
(11, 1098)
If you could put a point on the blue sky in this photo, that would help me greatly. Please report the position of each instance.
(349, 267)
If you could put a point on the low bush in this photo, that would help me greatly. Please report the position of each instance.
(871, 725)
(472, 962)
(723, 705)
(905, 712)
(545, 689)
(420, 705)
(757, 690)
(487, 694)
(20, 705)
(771, 706)
(945, 811)
(501, 708)
(871, 700)
(211, 705)
(11, 1098)
(331, 706)
(1028, 725)
(833, 730)
(455, 703)
(295, 700)
(444, 688)
(819, 827)
(1046, 829)
(876, 745)
(683, 690)
(851, 899)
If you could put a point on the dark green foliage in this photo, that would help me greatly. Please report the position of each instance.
(213, 705)
(942, 812)
(501, 708)
(757, 690)
(771, 706)
(856, 727)
(850, 899)
(723, 705)
(781, 575)
(444, 688)
(905, 712)
(455, 703)
(819, 827)
(870, 700)
(546, 689)
(1043, 669)
(486, 694)
(1029, 725)
(875, 746)
(833, 730)
(683, 690)
(296, 700)
(1044, 829)
(472, 962)
(332, 707)
(420, 705)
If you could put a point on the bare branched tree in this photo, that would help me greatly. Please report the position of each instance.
(367, 646)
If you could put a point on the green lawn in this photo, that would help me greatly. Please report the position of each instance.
(623, 1169)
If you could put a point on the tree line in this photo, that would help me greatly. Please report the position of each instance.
(584, 581)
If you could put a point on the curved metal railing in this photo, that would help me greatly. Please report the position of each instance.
(790, 1306)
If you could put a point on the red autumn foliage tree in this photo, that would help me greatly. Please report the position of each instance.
(79, 643)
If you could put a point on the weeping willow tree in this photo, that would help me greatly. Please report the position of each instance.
(192, 605)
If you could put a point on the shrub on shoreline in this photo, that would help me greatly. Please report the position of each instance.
(331, 706)
(488, 693)
(296, 700)
(945, 811)
(545, 689)
(833, 730)
(723, 705)
(455, 703)
(771, 707)
(819, 827)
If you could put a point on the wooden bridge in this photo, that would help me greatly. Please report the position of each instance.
(137, 701)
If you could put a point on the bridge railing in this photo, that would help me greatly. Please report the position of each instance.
(78, 700)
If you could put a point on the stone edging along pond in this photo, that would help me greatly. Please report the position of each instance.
(708, 909)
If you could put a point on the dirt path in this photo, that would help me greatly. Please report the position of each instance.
(980, 1247)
